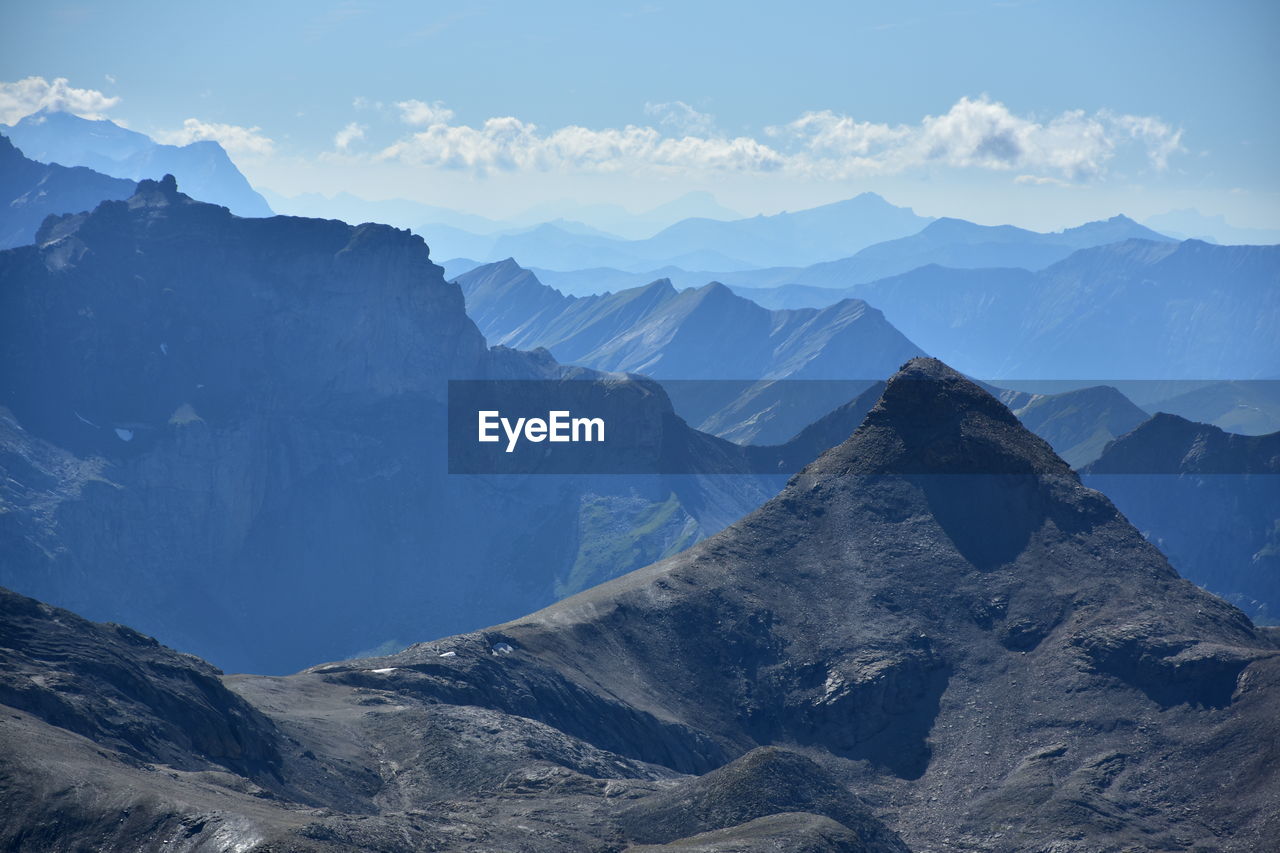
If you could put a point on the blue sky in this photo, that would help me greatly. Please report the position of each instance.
(1038, 113)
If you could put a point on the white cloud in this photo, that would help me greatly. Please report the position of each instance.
(975, 133)
(978, 133)
(26, 96)
(422, 114)
(509, 144)
(681, 118)
(352, 132)
(236, 139)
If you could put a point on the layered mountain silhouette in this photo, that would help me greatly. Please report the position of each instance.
(1125, 310)
(935, 637)
(1191, 224)
(1077, 424)
(231, 433)
(947, 242)
(1210, 499)
(698, 243)
(203, 168)
(703, 334)
(30, 191)
(1251, 408)
(958, 244)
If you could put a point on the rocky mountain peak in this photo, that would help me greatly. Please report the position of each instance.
(161, 193)
(932, 420)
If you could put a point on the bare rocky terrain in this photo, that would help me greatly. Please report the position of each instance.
(934, 638)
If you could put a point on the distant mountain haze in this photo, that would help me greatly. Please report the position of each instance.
(706, 333)
(1138, 309)
(203, 168)
(803, 237)
(946, 242)
(30, 191)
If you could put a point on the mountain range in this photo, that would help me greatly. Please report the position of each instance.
(270, 395)
(1191, 224)
(700, 334)
(934, 638)
(30, 191)
(52, 136)
(1119, 311)
(946, 242)
(801, 237)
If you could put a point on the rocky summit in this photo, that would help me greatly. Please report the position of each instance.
(935, 639)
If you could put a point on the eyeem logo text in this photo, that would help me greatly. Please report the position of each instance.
(557, 426)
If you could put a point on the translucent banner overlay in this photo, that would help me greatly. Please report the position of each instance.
(631, 425)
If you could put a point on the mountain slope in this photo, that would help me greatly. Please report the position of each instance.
(1210, 499)
(1121, 311)
(937, 599)
(30, 191)
(1077, 424)
(1251, 408)
(203, 168)
(703, 334)
(231, 433)
(934, 631)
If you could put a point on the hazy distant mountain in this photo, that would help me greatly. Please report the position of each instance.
(802, 237)
(1077, 424)
(1192, 224)
(205, 170)
(30, 191)
(556, 247)
(935, 614)
(618, 220)
(958, 244)
(789, 238)
(1209, 499)
(945, 242)
(399, 212)
(1249, 408)
(699, 334)
(1138, 309)
(590, 281)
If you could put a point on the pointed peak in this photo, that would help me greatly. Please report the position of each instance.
(933, 420)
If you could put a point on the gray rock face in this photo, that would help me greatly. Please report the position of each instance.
(965, 646)
(127, 692)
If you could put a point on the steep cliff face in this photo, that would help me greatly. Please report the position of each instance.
(261, 403)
